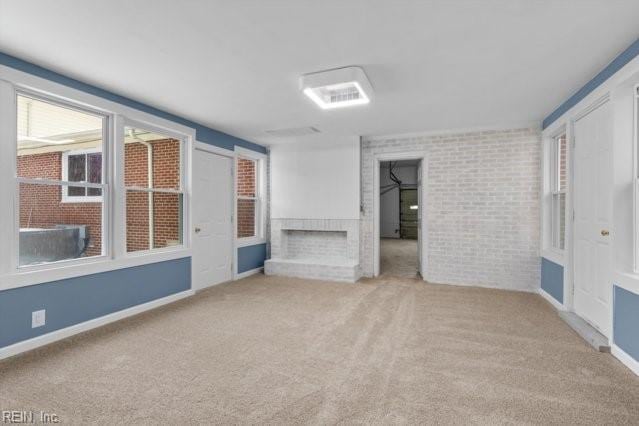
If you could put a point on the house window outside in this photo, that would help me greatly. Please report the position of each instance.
(154, 191)
(248, 198)
(49, 229)
(82, 166)
(558, 187)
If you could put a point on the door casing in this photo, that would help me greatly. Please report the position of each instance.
(571, 238)
(206, 149)
(423, 230)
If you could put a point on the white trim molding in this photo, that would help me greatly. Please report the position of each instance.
(248, 273)
(203, 146)
(409, 155)
(555, 303)
(261, 226)
(54, 336)
(625, 359)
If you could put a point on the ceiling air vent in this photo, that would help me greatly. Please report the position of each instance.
(292, 132)
(337, 88)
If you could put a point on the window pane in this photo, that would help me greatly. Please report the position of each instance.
(562, 220)
(245, 218)
(246, 177)
(563, 156)
(52, 231)
(46, 131)
(94, 164)
(165, 227)
(555, 220)
(76, 173)
(162, 152)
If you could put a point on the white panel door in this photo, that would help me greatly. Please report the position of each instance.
(593, 217)
(212, 213)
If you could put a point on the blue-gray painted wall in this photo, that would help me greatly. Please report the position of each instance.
(626, 321)
(203, 133)
(552, 279)
(250, 257)
(626, 56)
(76, 300)
(626, 303)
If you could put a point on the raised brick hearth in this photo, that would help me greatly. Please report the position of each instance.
(319, 249)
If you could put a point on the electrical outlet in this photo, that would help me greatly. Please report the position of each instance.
(38, 318)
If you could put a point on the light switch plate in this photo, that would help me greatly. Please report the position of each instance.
(38, 318)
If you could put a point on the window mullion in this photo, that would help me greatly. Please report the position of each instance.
(118, 190)
(8, 186)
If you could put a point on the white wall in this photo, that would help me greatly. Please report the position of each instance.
(315, 178)
(482, 206)
(389, 201)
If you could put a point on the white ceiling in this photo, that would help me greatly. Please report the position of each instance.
(234, 65)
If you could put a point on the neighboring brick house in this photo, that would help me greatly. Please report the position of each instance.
(41, 206)
(166, 169)
(45, 206)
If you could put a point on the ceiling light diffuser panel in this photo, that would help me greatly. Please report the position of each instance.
(337, 88)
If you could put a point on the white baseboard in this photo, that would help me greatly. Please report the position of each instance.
(248, 273)
(625, 359)
(492, 287)
(551, 300)
(63, 333)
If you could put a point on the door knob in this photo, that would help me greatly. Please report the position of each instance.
(605, 232)
(197, 230)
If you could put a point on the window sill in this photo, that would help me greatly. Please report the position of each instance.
(555, 256)
(60, 271)
(249, 241)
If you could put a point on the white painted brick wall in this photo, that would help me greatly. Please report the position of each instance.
(482, 201)
(316, 244)
(315, 248)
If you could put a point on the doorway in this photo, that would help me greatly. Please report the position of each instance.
(399, 217)
(212, 213)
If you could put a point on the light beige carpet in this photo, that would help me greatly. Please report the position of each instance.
(276, 350)
(398, 257)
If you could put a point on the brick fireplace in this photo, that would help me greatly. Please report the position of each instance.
(318, 249)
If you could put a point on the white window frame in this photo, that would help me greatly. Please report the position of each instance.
(549, 187)
(260, 192)
(556, 191)
(62, 184)
(66, 198)
(635, 112)
(113, 237)
(126, 122)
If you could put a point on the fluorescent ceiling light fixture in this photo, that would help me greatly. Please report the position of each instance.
(414, 207)
(337, 88)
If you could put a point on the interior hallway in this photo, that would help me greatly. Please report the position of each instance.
(398, 257)
(281, 350)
